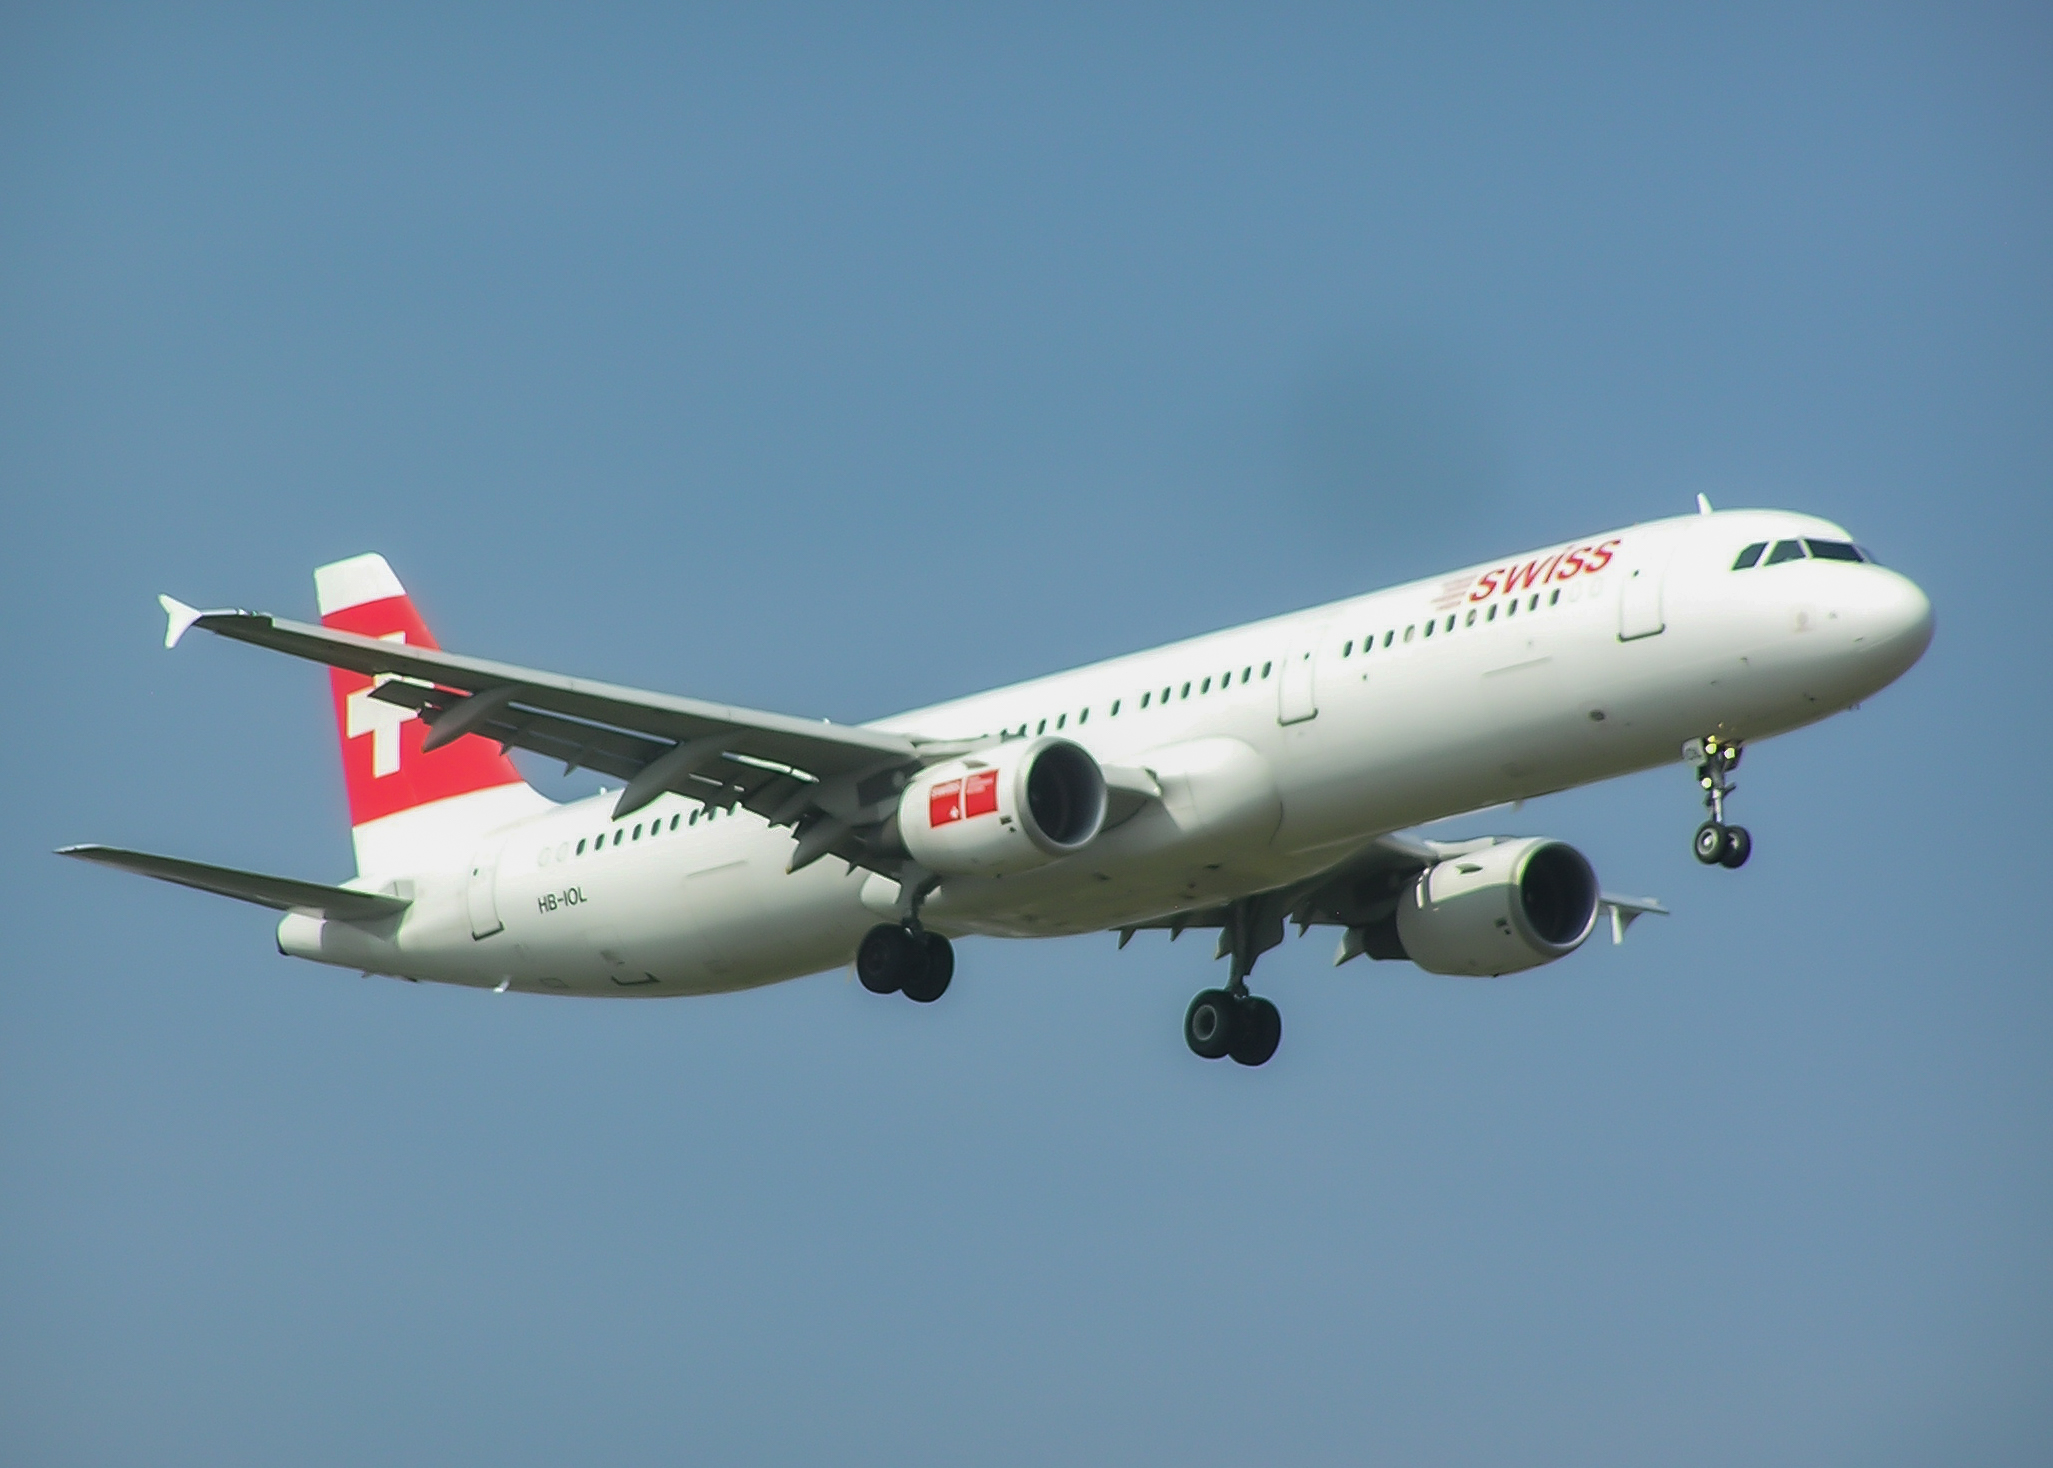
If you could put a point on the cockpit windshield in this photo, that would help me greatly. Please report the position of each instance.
(1809, 548)
(1834, 550)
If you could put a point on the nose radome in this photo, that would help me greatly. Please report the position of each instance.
(1893, 616)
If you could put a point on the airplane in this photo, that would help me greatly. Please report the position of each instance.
(1239, 781)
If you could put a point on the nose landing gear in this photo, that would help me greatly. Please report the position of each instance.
(1717, 844)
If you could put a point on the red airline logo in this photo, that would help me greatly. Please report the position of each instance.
(1583, 560)
(957, 800)
(383, 768)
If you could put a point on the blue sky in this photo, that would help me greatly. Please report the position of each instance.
(837, 364)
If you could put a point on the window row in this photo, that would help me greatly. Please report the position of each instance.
(1798, 550)
(563, 851)
(1151, 699)
(1452, 620)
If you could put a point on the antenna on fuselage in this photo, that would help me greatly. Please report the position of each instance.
(1703, 505)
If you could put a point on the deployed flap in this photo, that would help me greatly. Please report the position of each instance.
(283, 893)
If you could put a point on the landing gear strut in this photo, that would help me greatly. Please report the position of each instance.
(1717, 844)
(1231, 1021)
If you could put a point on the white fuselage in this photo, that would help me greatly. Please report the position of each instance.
(1280, 747)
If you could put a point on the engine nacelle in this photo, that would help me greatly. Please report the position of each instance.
(1007, 809)
(1512, 906)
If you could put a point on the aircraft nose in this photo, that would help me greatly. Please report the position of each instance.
(1894, 617)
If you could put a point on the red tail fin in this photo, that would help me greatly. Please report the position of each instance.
(382, 762)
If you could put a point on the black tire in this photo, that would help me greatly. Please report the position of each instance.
(930, 980)
(1209, 1024)
(1258, 1032)
(1709, 843)
(888, 953)
(1738, 847)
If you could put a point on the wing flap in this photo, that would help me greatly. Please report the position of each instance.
(285, 894)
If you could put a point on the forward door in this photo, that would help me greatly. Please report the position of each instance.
(1639, 603)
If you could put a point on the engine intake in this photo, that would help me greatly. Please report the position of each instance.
(1506, 908)
(1008, 809)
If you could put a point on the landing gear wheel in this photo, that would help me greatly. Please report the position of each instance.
(889, 955)
(930, 981)
(1258, 1031)
(1209, 1024)
(1710, 844)
(1738, 847)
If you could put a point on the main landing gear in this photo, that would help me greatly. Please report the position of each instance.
(1231, 1021)
(898, 958)
(1717, 844)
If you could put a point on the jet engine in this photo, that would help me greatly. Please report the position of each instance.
(1511, 906)
(1008, 809)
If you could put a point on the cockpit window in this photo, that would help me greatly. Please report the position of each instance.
(1750, 555)
(1786, 550)
(1832, 550)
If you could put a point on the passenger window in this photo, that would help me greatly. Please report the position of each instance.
(1554, 597)
(1144, 699)
(1471, 619)
(1186, 691)
(1786, 550)
(580, 848)
(1832, 550)
(1511, 607)
(674, 820)
(1450, 624)
(1430, 626)
(618, 835)
(1115, 708)
(1265, 669)
(1062, 721)
(1750, 556)
(1206, 686)
(1389, 637)
(1245, 672)
(1408, 632)
(1533, 602)
(637, 830)
(1347, 648)
(1491, 615)
(1042, 727)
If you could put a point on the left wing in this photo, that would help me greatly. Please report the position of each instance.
(791, 771)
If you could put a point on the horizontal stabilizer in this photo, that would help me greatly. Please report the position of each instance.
(283, 893)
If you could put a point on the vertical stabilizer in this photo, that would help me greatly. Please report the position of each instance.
(408, 810)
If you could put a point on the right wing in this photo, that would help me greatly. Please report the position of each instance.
(286, 894)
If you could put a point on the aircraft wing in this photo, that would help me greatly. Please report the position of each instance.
(286, 894)
(777, 765)
(1363, 890)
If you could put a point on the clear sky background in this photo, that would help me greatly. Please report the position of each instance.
(836, 364)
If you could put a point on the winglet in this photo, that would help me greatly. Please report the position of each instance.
(1625, 911)
(182, 617)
